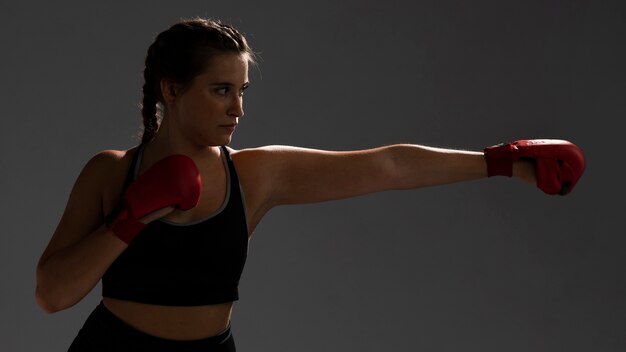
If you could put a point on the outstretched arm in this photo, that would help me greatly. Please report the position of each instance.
(293, 175)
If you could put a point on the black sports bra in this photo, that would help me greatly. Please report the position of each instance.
(189, 264)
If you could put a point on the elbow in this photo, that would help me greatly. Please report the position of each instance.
(392, 173)
(45, 303)
(49, 298)
(49, 304)
(42, 295)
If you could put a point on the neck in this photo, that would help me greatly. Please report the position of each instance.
(167, 142)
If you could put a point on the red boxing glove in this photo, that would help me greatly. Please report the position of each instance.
(559, 164)
(172, 181)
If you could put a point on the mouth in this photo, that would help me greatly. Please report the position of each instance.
(231, 127)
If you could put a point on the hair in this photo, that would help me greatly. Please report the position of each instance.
(180, 53)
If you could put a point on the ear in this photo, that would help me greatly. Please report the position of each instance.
(169, 90)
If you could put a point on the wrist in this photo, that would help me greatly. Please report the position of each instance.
(499, 160)
(125, 226)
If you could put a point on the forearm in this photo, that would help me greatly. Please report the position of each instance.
(69, 274)
(417, 166)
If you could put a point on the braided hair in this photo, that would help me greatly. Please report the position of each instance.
(180, 53)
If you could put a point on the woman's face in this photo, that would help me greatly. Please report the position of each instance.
(208, 110)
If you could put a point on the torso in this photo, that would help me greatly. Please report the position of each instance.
(176, 323)
(172, 322)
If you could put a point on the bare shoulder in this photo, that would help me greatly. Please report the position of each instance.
(269, 153)
(107, 159)
(270, 159)
(252, 164)
(255, 171)
(105, 166)
(250, 155)
(111, 167)
(264, 160)
(101, 179)
(95, 191)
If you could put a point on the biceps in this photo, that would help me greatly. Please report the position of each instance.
(82, 214)
(308, 176)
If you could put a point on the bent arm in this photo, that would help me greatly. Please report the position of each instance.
(81, 248)
(67, 275)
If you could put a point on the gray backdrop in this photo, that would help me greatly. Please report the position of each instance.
(488, 265)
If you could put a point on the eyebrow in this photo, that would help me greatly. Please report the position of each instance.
(228, 84)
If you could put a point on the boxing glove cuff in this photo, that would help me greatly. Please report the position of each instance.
(500, 159)
(124, 225)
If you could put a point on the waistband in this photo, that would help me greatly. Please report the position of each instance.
(121, 327)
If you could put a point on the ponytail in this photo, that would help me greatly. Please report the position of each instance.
(149, 107)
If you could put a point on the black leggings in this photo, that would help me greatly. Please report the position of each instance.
(103, 331)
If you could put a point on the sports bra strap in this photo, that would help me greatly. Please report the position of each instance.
(130, 175)
(129, 179)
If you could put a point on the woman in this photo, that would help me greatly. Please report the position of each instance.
(165, 225)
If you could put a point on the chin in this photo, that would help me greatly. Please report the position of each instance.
(218, 142)
(227, 140)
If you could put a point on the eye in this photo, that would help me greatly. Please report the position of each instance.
(222, 90)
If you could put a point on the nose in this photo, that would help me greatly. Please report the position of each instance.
(236, 106)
